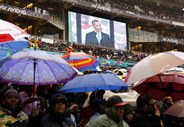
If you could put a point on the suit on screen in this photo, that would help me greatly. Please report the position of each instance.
(105, 41)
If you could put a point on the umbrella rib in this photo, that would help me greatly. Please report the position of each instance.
(22, 73)
(102, 77)
(59, 66)
(51, 69)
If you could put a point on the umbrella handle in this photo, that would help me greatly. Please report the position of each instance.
(34, 71)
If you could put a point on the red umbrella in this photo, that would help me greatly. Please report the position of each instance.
(161, 85)
(177, 109)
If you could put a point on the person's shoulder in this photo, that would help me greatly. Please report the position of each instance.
(100, 121)
(89, 33)
(104, 34)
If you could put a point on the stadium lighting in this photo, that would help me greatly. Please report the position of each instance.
(183, 9)
(16, 2)
(30, 5)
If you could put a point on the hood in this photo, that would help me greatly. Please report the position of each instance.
(110, 112)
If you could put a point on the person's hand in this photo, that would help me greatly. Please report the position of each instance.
(81, 124)
(34, 113)
(157, 111)
(73, 107)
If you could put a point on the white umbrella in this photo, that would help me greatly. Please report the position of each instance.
(10, 32)
(154, 64)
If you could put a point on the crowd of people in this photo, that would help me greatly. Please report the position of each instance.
(124, 56)
(148, 10)
(23, 107)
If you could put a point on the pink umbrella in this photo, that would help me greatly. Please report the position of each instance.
(10, 32)
(177, 109)
(161, 85)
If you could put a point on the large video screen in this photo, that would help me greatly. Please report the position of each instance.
(96, 31)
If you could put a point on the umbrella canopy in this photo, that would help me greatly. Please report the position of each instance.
(10, 32)
(161, 85)
(81, 61)
(95, 81)
(4, 52)
(177, 109)
(154, 64)
(15, 46)
(35, 68)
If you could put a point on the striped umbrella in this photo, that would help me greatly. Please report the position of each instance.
(81, 61)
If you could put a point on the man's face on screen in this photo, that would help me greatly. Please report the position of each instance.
(97, 26)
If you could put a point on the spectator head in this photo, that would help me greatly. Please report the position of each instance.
(145, 104)
(117, 104)
(99, 105)
(115, 101)
(100, 93)
(58, 103)
(11, 99)
(168, 101)
(129, 113)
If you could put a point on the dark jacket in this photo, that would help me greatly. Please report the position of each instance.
(50, 120)
(142, 120)
(91, 39)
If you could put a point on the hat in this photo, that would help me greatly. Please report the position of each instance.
(58, 97)
(11, 90)
(115, 101)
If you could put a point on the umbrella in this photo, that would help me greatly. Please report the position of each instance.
(176, 109)
(4, 52)
(154, 64)
(95, 81)
(10, 32)
(161, 85)
(81, 61)
(35, 68)
(15, 46)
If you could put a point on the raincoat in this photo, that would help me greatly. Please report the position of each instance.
(6, 118)
(107, 120)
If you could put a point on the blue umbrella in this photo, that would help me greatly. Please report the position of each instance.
(92, 82)
(4, 52)
(15, 46)
(35, 68)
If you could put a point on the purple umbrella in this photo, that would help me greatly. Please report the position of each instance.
(35, 68)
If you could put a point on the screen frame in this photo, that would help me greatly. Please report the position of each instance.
(95, 15)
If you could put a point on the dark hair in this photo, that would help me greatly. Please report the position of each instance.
(94, 21)
(142, 100)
